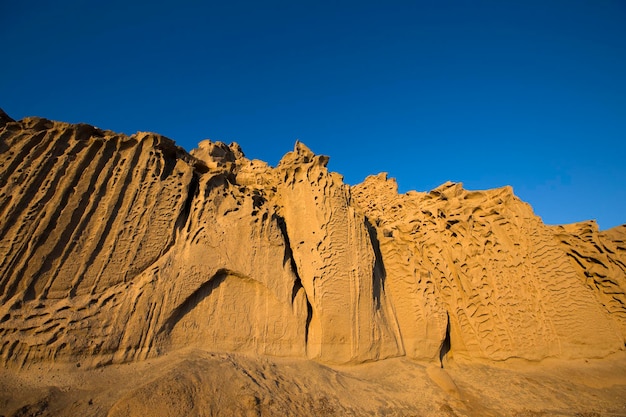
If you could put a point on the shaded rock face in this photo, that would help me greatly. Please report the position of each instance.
(117, 248)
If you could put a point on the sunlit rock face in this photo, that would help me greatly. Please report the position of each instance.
(117, 248)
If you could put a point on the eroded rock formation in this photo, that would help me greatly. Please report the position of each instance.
(116, 248)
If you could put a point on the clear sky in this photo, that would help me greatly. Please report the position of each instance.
(527, 93)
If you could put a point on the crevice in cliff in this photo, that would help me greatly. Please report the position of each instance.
(309, 316)
(379, 274)
(297, 285)
(381, 302)
(288, 255)
(193, 191)
(169, 158)
(445, 345)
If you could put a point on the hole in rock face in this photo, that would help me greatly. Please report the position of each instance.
(445, 345)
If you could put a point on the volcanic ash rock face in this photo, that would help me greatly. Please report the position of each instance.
(504, 281)
(116, 248)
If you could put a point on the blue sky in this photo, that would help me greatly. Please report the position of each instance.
(530, 94)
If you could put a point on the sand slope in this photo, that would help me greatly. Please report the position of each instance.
(199, 383)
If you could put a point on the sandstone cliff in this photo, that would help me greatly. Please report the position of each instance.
(118, 248)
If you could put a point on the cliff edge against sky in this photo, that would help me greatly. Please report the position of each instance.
(117, 249)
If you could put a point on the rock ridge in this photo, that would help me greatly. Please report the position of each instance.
(118, 248)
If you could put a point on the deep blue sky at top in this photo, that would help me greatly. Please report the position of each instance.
(489, 93)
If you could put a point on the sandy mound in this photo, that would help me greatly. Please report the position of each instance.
(199, 383)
